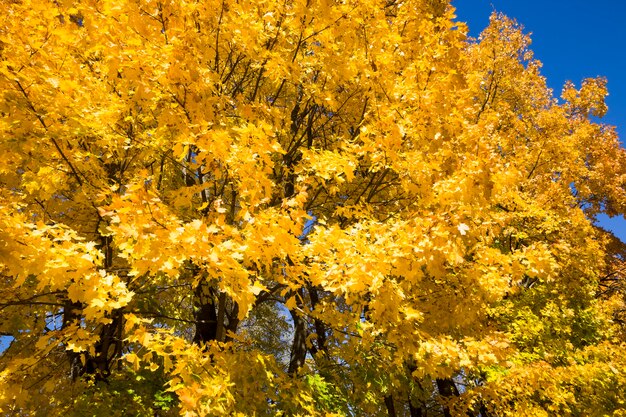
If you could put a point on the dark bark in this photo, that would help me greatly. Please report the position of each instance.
(205, 313)
(320, 326)
(298, 346)
(483, 410)
(416, 411)
(447, 389)
(233, 321)
(71, 315)
(391, 408)
(221, 315)
(290, 159)
(215, 314)
(107, 349)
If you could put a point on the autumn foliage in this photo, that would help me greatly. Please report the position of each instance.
(290, 207)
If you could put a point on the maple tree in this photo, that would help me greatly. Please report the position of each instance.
(300, 208)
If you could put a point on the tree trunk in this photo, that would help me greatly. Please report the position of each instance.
(391, 408)
(71, 315)
(233, 321)
(447, 389)
(221, 315)
(205, 314)
(320, 326)
(298, 346)
(483, 410)
(108, 348)
(416, 411)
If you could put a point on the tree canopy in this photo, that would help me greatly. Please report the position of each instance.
(299, 207)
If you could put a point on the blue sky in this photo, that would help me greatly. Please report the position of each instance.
(574, 39)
